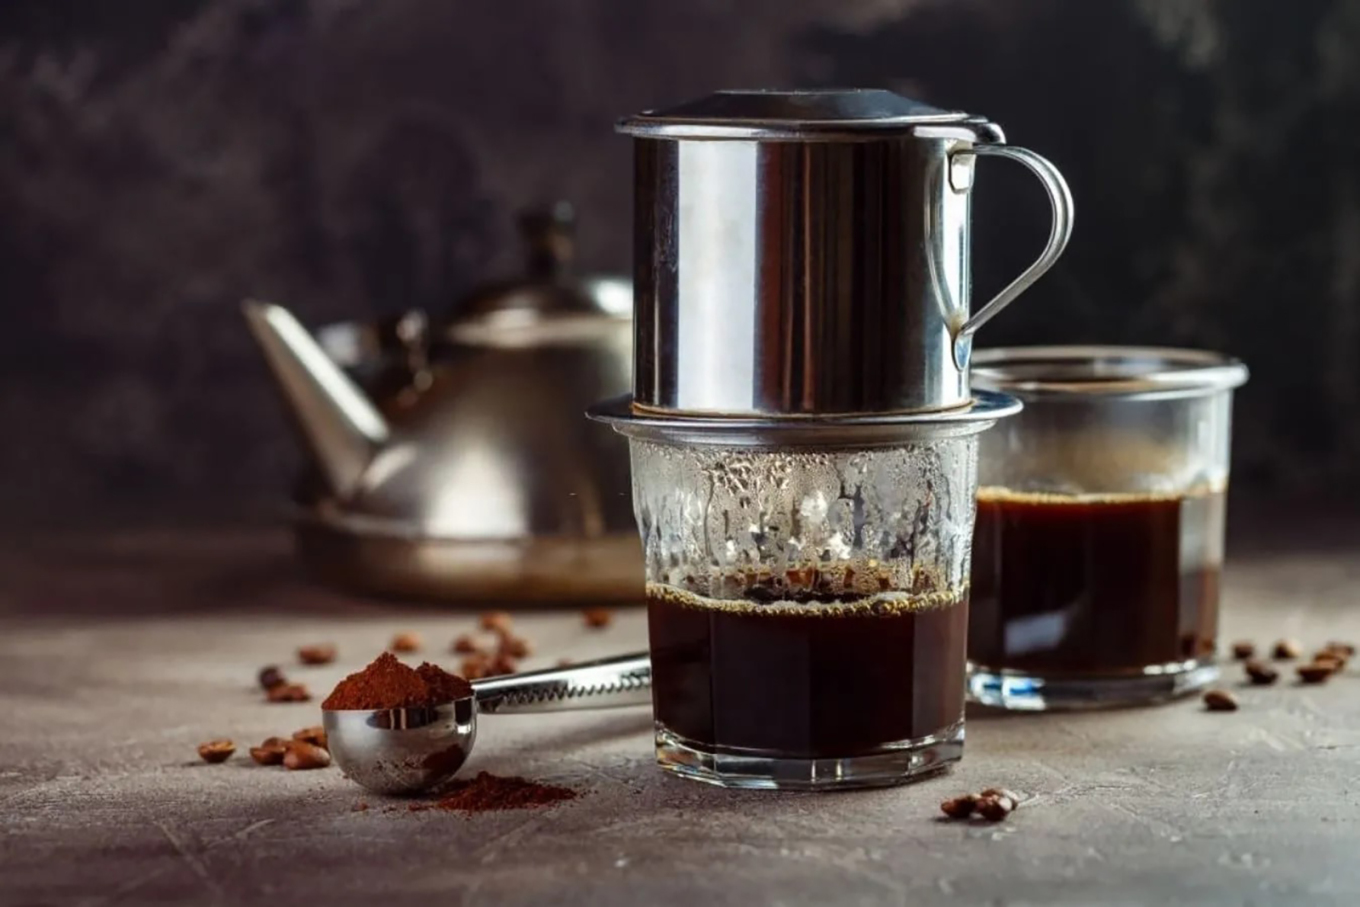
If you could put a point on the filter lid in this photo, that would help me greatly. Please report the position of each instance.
(791, 115)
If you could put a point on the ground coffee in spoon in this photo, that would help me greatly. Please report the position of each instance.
(389, 684)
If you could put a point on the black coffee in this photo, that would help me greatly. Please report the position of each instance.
(1094, 586)
(806, 675)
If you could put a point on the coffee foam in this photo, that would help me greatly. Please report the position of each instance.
(890, 603)
(999, 495)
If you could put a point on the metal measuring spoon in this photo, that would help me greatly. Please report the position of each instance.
(405, 751)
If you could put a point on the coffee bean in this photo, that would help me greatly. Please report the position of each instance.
(270, 752)
(498, 621)
(1220, 701)
(1344, 648)
(288, 692)
(1002, 792)
(313, 735)
(515, 647)
(215, 751)
(500, 665)
(1260, 673)
(1315, 673)
(302, 756)
(270, 676)
(597, 618)
(1243, 650)
(994, 809)
(405, 642)
(959, 807)
(322, 654)
(1336, 660)
(465, 645)
(475, 666)
(1287, 650)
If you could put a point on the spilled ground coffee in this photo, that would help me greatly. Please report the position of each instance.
(492, 793)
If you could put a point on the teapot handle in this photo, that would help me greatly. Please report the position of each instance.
(1060, 197)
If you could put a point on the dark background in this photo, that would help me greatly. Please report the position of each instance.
(161, 159)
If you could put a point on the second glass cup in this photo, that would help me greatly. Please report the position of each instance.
(1100, 523)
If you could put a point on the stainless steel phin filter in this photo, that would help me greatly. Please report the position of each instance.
(807, 252)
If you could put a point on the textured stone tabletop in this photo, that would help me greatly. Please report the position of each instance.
(118, 655)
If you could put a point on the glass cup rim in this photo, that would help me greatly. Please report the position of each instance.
(1139, 372)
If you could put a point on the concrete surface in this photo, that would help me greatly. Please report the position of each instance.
(119, 654)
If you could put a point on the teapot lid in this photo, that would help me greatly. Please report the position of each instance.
(789, 114)
(548, 288)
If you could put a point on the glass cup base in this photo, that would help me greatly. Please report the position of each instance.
(893, 763)
(1027, 692)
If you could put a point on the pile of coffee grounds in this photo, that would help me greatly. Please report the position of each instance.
(443, 686)
(494, 793)
(389, 684)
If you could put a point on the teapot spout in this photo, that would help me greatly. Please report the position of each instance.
(340, 426)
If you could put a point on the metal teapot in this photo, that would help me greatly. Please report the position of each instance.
(451, 460)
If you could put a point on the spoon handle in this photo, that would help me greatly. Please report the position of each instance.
(621, 680)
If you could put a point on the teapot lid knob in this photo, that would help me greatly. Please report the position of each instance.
(548, 288)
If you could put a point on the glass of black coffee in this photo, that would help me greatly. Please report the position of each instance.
(807, 609)
(1100, 522)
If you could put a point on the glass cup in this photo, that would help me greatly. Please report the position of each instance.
(1100, 521)
(807, 608)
